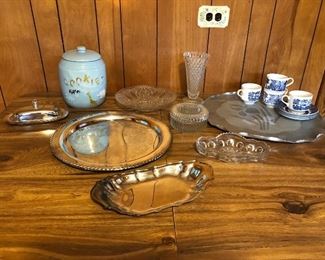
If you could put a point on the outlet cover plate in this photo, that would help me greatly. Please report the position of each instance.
(213, 16)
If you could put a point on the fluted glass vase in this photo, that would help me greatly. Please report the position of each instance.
(195, 64)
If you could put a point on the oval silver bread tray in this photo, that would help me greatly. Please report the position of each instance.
(110, 141)
(141, 192)
(36, 114)
(229, 147)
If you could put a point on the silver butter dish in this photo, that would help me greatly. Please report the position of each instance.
(229, 147)
(36, 114)
(140, 192)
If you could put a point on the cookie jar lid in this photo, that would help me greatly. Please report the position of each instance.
(81, 54)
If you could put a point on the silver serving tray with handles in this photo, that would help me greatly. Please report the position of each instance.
(229, 113)
(145, 191)
(110, 141)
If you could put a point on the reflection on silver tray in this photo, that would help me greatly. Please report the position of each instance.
(36, 114)
(141, 192)
(110, 141)
(229, 113)
(229, 147)
(310, 114)
(145, 98)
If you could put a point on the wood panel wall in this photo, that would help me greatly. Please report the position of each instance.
(142, 42)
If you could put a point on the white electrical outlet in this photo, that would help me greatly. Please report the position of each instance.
(213, 16)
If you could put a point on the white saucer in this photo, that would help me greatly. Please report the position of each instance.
(309, 114)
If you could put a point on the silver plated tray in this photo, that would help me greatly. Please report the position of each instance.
(110, 141)
(36, 114)
(229, 113)
(140, 192)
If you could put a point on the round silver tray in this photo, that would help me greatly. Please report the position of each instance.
(229, 113)
(110, 141)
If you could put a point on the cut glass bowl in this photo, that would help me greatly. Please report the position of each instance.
(229, 147)
(145, 98)
(188, 116)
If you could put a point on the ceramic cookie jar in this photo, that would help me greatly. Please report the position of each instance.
(82, 76)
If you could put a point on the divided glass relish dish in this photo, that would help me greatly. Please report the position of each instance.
(145, 98)
(230, 147)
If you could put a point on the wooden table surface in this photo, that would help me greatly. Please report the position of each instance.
(271, 210)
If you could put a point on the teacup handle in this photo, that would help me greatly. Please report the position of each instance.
(290, 82)
(283, 99)
(240, 92)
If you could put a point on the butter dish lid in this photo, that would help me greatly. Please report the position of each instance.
(81, 54)
(36, 114)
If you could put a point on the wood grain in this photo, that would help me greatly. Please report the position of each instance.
(227, 48)
(110, 39)
(139, 41)
(292, 31)
(78, 24)
(47, 212)
(241, 215)
(177, 34)
(257, 42)
(46, 20)
(316, 61)
(20, 63)
(248, 211)
(149, 50)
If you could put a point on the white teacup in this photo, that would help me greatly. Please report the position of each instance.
(250, 93)
(271, 97)
(278, 82)
(298, 100)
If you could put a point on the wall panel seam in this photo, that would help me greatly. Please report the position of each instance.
(207, 51)
(157, 35)
(322, 83)
(311, 44)
(38, 45)
(269, 39)
(122, 44)
(246, 43)
(97, 29)
(3, 97)
(60, 24)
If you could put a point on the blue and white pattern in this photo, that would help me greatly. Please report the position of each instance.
(254, 96)
(301, 104)
(271, 100)
(276, 85)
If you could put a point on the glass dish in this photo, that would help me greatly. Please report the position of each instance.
(145, 98)
(229, 147)
(110, 141)
(140, 192)
(188, 116)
